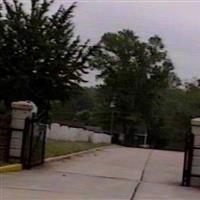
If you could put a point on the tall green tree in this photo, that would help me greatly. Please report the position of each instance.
(41, 59)
(134, 73)
(75, 109)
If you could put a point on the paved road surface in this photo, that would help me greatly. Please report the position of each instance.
(114, 173)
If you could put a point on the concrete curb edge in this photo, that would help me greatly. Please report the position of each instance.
(11, 168)
(57, 158)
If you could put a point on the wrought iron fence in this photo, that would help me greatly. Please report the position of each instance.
(5, 134)
(188, 156)
(34, 142)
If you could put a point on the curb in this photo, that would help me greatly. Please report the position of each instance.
(68, 156)
(11, 168)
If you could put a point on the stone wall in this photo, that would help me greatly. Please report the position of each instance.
(59, 132)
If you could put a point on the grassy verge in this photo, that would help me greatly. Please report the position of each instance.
(60, 147)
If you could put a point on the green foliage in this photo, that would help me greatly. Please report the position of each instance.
(134, 73)
(172, 117)
(84, 116)
(2, 108)
(41, 58)
(169, 123)
(78, 108)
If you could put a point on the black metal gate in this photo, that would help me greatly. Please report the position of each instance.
(5, 133)
(188, 156)
(191, 153)
(33, 150)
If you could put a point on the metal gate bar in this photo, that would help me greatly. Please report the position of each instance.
(34, 142)
(5, 137)
(188, 159)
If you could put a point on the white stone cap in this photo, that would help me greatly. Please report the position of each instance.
(22, 105)
(195, 121)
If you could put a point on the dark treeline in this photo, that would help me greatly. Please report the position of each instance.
(172, 118)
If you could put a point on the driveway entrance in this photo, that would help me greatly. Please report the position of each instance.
(113, 173)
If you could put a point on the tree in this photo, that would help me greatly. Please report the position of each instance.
(134, 73)
(75, 109)
(177, 108)
(40, 57)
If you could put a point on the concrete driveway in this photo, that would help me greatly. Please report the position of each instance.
(113, 173)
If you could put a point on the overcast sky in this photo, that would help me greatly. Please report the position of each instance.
(177, 22)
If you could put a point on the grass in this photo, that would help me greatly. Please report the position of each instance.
(60, 147)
